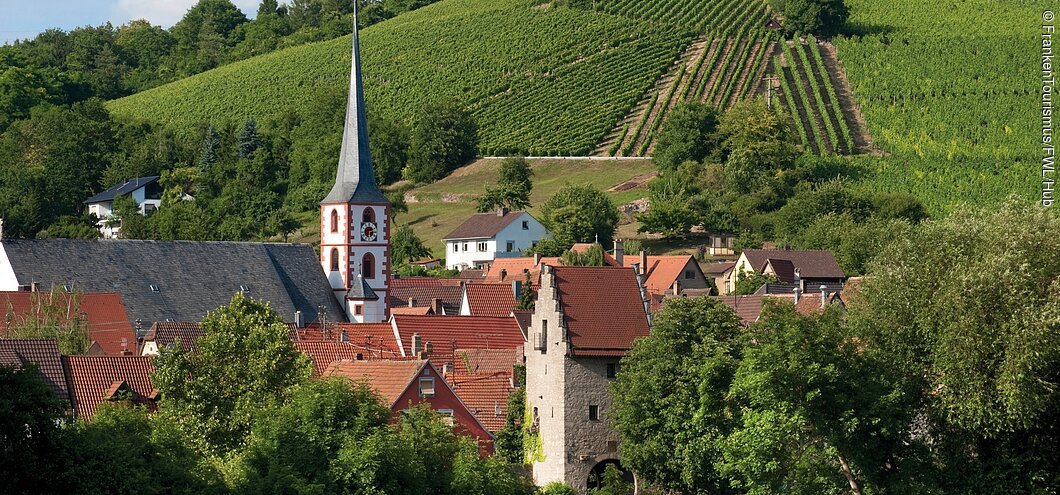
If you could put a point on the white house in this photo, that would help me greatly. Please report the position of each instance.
(487, 236)
(146, 191)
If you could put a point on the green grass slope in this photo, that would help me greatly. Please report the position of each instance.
(538, 80)
(950, 90)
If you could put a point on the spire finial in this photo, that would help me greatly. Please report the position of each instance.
(355, 177)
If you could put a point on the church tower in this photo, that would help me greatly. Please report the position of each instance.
(355, 217)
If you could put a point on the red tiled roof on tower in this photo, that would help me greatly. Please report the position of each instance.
(44, 353)
(602, 309)
(104, 315)
(95, 379)
(448, 333)
(490, 299)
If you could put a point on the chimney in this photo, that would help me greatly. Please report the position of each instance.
(436, 306)
(620, 251)
(344, 337)
(299, 320)
(428, 350)
(502, 211)
(125, 347)
(677, 288)
(643, 262)
(417, 344)
(824, 296)
(504, 274)
(517, 289)
(34, 287)
(412, 303)
(798, 294)
(447, 370)
(537, 259)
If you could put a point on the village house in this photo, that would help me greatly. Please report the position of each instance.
(806, 269)
(485, 237)
(585, 320)
(145, 191)
(663, 275)
(721, 274)
(490, 299)
(406, 383)
(94, 380)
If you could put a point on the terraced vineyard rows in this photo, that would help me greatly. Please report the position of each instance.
(718, 71)
(719, 17)
(808, 93)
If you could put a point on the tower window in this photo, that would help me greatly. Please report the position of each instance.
(334, 259)
(594, 412)
(368, 266)
(334, 220)
(368, 216)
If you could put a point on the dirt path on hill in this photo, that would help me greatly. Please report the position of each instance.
(863, 142)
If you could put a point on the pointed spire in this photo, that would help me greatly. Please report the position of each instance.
(355, 178)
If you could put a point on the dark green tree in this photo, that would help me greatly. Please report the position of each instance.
(203, 35)
(526, 294)
(822, 18)
(208, 151)
(513, 187)
(688, 134)
(31, 448)
(249, 140)
(244, 361)
(580, 213)
(389, 146)
(444, 138)
(406, 246)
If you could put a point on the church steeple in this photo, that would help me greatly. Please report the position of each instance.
(355, 178)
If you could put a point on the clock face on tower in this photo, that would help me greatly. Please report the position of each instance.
(368, 232)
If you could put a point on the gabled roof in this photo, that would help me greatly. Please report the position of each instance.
(405, 310)
(425, 296)
(44, 353)
(447, 333)
(484, 225)
(748, 308)
(602, 309)
(192, 277)
(166, 333)
(361, 291)
(93, 379)
(812, 263)
(389, 378)
(122, 189)
(355, 177)
(810, 304)
(486, 361)
(104, 315)
(661, 271)
(715, 269)
(486, 397)
(508, 269)
(783, 269)
(490, 299)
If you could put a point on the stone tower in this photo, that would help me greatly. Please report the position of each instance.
(355, 216)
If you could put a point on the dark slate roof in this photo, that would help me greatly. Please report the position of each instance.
(192, 277)
(361, 291)
(44, 353)
(783, 269)
(355, 178)
(122, 189)
(484, 225)
(812, 263)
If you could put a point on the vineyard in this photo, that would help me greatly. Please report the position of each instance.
(719, 17)
(538, 81)
(808, 93)
(949, 91)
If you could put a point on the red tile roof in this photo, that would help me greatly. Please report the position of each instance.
(582, 247)
(661, 271)
(602, 308)
(374, 339)
(389, 378)
(508, 269)
(448, 333)
(484, 225)
(486, 396)
(44, 353)
(93, 378)
(324, 354)
(424, 282)
(812, 263)
(748, 308)
(810, 304)
(166, 333)
(424, 295)
(104, 313)
(403, 310)
(490, 299)
(486, 361)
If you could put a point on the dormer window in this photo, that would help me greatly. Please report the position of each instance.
(334, 220)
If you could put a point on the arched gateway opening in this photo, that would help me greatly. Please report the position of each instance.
(596, 475)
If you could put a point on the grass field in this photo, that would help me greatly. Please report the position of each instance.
(949, 89)
(539, 81)
(442, 206)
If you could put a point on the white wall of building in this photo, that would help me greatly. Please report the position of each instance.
(512, 241)
(8, 281)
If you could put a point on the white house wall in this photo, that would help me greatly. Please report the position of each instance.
(496, 247)
(8, 281)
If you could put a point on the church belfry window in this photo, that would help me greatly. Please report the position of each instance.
(334, 220)
(334, 259)
(368, 216)
(368, 266)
